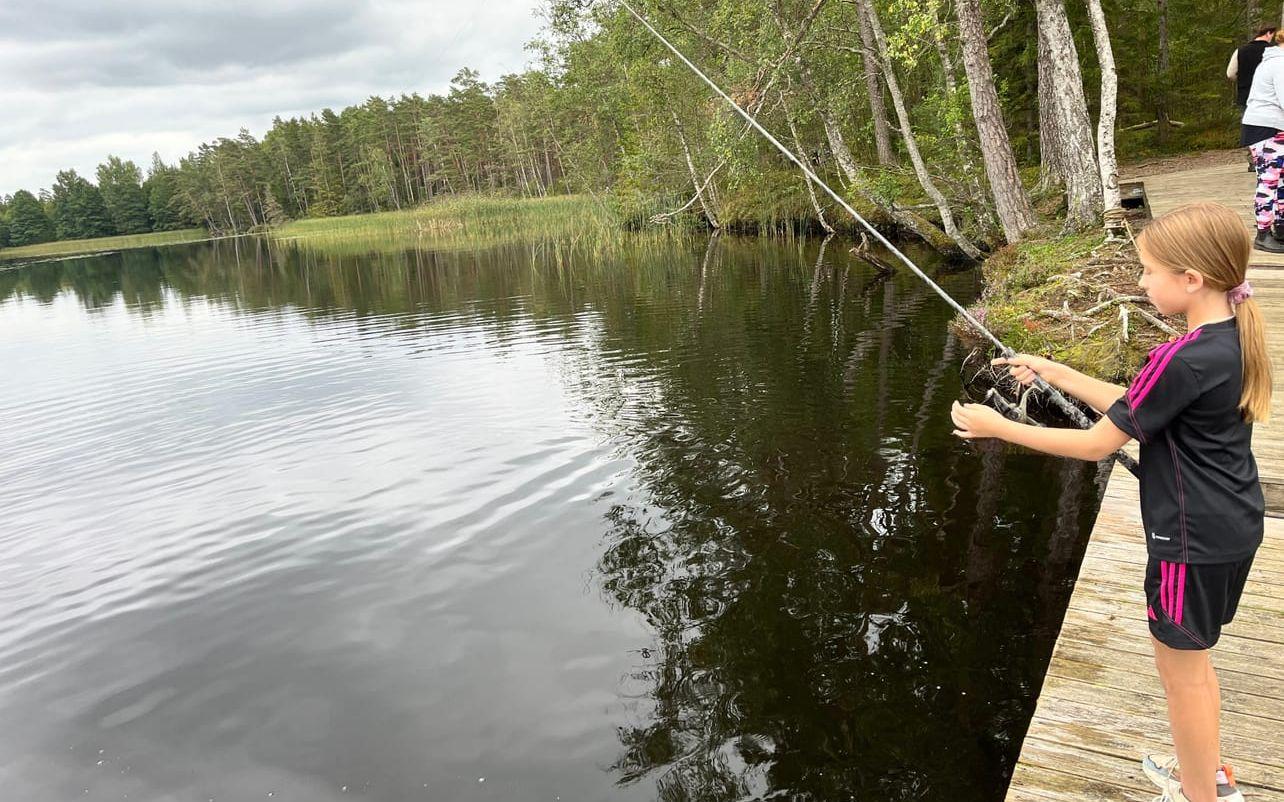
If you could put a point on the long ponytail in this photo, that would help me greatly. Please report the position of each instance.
(1255, 398)
(1210, 238)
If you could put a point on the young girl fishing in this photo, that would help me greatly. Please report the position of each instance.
(1191, 409)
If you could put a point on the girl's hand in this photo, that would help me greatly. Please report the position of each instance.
(1025, 368)
(972, 421)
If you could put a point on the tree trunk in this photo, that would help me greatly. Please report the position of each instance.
(227, 203)
(842, 154)
(1106, 159)
(695, 176)
(964, 153)
(907, 134)
(1051, 171)
(1253, 16)
(877, 106)
(1161, 75)
(1016, 216)
(1075, 148)
(1030, 79)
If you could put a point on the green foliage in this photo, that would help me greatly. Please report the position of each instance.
(77, 208)
(120, 183)
(28, 222)
(164, 205)
(272, 211)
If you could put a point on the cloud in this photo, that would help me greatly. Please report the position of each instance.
(84, 79)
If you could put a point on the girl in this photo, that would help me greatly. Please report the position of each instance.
(1191, 408)
(1261, 132)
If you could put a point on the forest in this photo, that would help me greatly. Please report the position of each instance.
(960, 122)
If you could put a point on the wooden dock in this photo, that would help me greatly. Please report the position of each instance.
(1101, 706)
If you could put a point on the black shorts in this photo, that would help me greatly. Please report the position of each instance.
(1188, 605)
(1252, 134)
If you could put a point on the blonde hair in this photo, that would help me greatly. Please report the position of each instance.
(1211, 239)
(1278, 38)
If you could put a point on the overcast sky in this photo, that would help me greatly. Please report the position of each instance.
(80, 79)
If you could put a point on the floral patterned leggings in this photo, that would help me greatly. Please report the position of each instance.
(1268, 203)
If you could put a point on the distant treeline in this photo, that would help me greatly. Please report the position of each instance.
(877, 95)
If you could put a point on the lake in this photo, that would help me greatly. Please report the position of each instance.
(675, 519)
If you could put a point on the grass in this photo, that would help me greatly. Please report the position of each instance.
(454, 224)
(73, 247)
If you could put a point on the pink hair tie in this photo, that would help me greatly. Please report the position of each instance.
(1240, 294)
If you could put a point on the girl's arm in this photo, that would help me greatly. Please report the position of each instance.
(1094, 392)
(974, 421)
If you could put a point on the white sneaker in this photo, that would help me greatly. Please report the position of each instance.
(1163, 773)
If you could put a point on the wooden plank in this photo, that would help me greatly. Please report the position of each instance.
(1127, 637)
(1131, 680)
(1260, 593)
(1087, 658)
(1260, 731)
(1248, 623)
(1130, 549)
(1062, 772)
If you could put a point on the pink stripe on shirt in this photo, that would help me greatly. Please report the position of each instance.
(1154, 375)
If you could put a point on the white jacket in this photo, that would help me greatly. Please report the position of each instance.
(1266, 98)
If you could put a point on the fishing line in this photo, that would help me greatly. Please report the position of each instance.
(1070, 410)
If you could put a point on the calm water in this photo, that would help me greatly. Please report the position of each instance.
(674, 522)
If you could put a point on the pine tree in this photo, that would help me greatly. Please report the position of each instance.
(272, 211)
(78, 209)
(120, 183)
(28, 223)
(1016, 215)
(164, 205)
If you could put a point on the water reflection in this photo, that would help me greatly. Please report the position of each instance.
(701, 495)
(846, 604)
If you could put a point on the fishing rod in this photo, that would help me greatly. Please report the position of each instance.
(1060, 401)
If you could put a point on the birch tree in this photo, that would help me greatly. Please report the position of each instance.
(907, 133)
(1106, 159)
(1073, 135)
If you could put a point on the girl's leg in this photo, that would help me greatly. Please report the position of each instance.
(1268, 181)
(1194, 708)
(1275, 153)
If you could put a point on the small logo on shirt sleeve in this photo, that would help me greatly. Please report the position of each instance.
(1156, 536)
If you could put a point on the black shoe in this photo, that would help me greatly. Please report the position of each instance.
(1266, 241)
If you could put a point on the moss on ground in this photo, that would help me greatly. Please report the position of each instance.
(1059, 296)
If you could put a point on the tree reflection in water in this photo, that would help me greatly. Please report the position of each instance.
(847, 602)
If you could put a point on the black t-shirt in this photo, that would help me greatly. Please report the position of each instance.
(1201, 501)
(1249, 57)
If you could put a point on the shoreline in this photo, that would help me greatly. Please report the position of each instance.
(1053, 294)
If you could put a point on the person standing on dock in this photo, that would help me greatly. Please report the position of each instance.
(1191, 408)
(1262, 131)
(1243, 65)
